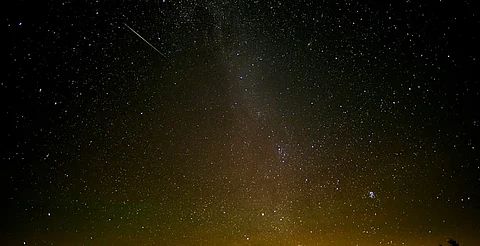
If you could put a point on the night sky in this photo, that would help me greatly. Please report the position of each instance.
(240, 123)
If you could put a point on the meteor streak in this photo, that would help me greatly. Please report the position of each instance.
(145, 40)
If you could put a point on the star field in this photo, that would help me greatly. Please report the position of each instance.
(241, 123)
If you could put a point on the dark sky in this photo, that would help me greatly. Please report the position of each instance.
(240, 123)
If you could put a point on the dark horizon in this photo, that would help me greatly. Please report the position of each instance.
(241, 123)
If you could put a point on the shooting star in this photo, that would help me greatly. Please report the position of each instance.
(145, 40)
